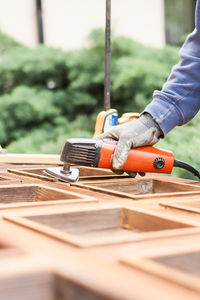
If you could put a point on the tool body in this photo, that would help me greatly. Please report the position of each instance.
(98, 153)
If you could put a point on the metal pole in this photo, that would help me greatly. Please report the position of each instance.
(107, 57)
(40, 21)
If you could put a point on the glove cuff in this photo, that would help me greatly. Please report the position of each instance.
(149, 122)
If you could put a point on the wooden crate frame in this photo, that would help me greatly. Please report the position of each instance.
(185, 205)
(8, 251)
(152, 266)
(39, 282)
(189, 189)
(4, 180)
(95, 173)
(73, 198)
(172, 226)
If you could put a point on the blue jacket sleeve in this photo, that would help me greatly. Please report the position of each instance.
(179, 100)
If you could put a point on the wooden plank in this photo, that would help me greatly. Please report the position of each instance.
(191, 205)
(8, 180)
(11, 158)
(24, 172)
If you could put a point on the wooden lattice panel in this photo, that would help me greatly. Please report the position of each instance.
(26, 194)
(109, 249)
(87, 228)
(192, 205)
(85, 173)
(180, 268)
(140, 188)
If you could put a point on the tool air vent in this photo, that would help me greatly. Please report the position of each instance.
(84, 152)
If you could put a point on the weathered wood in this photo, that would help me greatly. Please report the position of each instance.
(30, 159)
(140, 188)
(88, 228)
(187, 205)
(28, 286)
(8, 180)
(85, 173)
(71, 263)
(143, 186)
(24, 194)
(82, 238)
(32, 173)
(180, 268)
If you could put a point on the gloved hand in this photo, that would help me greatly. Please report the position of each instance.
(139, 132)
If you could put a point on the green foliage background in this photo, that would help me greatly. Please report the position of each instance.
(48, 95)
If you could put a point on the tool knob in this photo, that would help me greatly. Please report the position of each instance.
(159, 163)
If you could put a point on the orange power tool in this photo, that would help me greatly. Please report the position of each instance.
(98, 153)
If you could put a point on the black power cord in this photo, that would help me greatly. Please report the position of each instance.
(181, 164)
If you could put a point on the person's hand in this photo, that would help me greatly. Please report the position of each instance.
(139, 132)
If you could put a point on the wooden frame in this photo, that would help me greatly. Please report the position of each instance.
(182, 189)
(18, 158)
(38, 195)
(8, 251)
(86, 173)
(162, 267)
(42, 282)
(186, 205)
(8, 180)
(27, 280)
(96, 241)
(130, 224)
(30, 173)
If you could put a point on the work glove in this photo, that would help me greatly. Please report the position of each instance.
(139, 132)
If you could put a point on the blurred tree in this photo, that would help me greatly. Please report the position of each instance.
(179, 20)
(7, 43)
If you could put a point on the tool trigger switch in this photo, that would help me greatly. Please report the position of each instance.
(159, 163)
